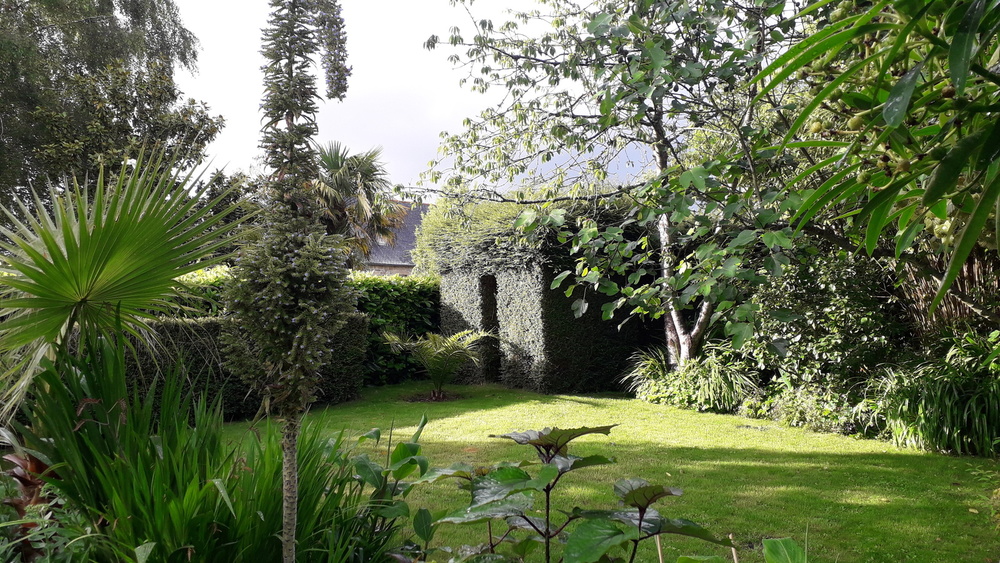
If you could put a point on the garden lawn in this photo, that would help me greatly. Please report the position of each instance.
(849, 500)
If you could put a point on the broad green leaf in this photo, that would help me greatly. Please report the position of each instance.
(776, 238)
(623, 486)
(783, 550)
(741, 333)
(456, 470)
(643, 497)
(423, 525)
(554, 439)
(898, 103)
(745, 237)
(143, 552)
(572, 462)
(369, 471)
(513, 505)
(527, 220)
(963, 46)
(558, 280)
(682, 527)
(967, 241)
(506, 481)
(593, 538)
(599, 23)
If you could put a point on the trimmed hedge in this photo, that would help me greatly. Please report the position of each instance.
(195, 343)
(399, 304)
(407, 305)
(494, 278)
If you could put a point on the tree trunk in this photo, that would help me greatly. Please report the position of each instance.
(290, 484)
(683, 341)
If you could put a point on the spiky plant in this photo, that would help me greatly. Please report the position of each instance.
(101, 262)
(442, 356)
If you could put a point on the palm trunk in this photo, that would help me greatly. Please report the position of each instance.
(290, 485)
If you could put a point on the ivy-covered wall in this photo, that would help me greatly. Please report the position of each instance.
(493, 277)
(543, 346)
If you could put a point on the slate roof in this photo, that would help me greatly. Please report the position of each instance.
(399, 255)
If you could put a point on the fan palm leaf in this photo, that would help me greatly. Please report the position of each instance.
(90, 259)
(354, 194)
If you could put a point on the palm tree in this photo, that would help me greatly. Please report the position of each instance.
(103, 261)
(355, 197)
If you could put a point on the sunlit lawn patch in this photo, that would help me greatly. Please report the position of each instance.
(850, 500)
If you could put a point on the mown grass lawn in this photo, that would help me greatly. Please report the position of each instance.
(850, 500)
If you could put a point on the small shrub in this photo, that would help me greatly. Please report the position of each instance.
(719, 381)
(809, 406)
(441, 356)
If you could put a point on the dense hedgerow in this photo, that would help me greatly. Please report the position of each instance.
(196, 344)
(407, 305)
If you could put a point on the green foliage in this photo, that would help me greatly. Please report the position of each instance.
(197, 345)
(406, 305)
(719, 381)
(67, 62)
(949, 404)
(102, 260)
(487, 264)
(112, 113)
(831, 319)
(289, 299)
(811, 406)
(506, 491)
(913, 83)
(152, 485)
(455, 235)
(441, 356)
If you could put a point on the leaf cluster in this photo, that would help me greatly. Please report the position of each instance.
(289, 299)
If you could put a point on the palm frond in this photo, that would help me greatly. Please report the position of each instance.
(93, 258)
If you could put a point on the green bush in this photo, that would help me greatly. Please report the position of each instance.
(810, 406)
(829, 321)
(401, 305)
(196, 344)
(719, 381)
(949, 404)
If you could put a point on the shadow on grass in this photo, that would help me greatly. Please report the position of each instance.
(848, 507)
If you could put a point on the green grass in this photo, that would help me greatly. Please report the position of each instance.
(850, 500)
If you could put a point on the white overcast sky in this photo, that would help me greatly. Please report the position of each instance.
(400, 96)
